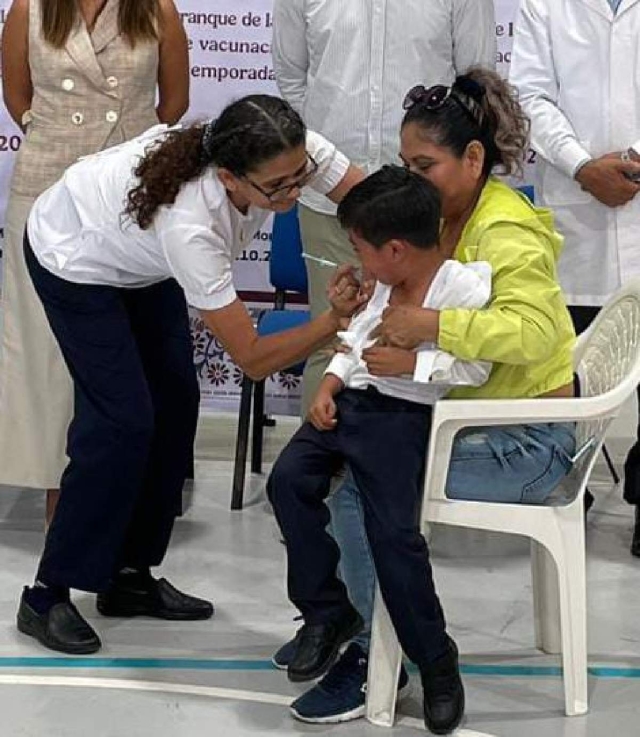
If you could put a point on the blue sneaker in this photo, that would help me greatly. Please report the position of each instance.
(340, 696)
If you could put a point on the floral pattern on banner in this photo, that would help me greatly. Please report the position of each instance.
(221, 379)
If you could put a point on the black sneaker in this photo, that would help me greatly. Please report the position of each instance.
(341, 695)
(443, 693)
(319, 644)
(284, 655)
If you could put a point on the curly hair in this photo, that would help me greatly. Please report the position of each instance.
(503, 127)
(248, 132)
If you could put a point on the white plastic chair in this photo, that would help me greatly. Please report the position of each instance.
(607, 360)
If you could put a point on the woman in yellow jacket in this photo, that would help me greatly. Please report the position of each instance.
(456, 137)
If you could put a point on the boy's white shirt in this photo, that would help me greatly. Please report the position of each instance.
(455, 285)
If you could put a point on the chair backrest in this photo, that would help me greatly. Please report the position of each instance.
(607, 357)
(287, 270)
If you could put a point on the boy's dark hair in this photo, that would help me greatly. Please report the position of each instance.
(393, 203)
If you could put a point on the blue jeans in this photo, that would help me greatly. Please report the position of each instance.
(356, 567)
(509, 464)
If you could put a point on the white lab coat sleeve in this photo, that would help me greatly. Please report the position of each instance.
(290, 52)
(533, 74)
(474, 34)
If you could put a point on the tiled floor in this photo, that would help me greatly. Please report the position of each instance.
(214, 678)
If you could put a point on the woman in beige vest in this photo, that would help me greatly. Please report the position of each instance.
(78, 76)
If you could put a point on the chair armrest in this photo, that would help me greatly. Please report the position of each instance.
(477, 412)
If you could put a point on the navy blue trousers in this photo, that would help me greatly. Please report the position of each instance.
(130, 441)
(384, 441)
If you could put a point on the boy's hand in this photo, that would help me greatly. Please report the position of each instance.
(385, 361)
(322, 413)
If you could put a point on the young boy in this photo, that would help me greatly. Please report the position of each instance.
(373, 411)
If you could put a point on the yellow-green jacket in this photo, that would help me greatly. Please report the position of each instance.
(525, 330)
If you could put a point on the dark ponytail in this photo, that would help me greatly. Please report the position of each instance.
(248, 132)
(486, 109)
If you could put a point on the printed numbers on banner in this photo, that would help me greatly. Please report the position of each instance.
(253, 254)
(10, 143)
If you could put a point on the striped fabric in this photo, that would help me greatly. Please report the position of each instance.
(346, 65)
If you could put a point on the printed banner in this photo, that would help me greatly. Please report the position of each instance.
(230, 56)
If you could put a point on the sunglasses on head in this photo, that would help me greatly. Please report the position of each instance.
(433, 98)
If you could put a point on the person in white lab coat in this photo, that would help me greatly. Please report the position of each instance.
(576, 67)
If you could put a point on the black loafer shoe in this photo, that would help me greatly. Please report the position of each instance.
(63, 628)
(443, 693)
(151, 598)
(318, 646)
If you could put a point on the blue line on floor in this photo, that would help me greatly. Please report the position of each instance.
(514, 671)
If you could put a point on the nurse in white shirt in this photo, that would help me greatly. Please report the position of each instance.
(109, 248)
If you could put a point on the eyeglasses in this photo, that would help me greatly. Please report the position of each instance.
(436, 97)
(282, 194)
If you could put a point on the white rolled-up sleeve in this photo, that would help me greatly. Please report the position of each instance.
(332, 164)
(434, 366)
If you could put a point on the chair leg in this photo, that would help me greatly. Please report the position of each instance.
(545, 600)
(612, 468)
(385, 657)
(258, 427)
(573, 617)
(242, 439)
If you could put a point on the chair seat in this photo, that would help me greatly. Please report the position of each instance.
(275, 321)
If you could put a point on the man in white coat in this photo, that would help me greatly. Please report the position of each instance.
(577, 68)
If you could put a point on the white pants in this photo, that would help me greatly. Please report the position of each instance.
(36, 393)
